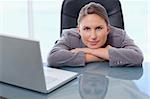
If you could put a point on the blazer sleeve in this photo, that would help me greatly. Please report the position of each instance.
(127, 55)
(61, 55)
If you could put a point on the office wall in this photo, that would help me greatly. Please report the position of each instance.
(137, 19)
(14, 17)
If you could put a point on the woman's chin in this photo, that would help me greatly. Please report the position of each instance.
(93, 46)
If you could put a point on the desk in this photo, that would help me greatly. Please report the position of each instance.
(96, 81)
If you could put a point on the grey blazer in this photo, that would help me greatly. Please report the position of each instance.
(124, 51)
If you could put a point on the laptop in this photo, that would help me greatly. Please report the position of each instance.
(21, 65)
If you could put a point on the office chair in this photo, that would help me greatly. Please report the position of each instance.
(70, 10)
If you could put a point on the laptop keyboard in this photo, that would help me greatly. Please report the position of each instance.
(50, 79)
(55, 77)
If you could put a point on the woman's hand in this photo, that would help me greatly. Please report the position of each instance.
(88, 57)
(92, 58)
(85, 50)
(102, 53)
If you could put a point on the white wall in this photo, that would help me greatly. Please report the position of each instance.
(137, 23)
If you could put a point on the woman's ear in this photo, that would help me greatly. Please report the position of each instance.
(108, 29)
(78, 29)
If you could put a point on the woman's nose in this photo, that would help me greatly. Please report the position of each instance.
(93, 35)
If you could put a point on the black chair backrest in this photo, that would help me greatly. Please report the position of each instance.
(70, 10)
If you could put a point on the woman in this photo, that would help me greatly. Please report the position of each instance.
(94, 40)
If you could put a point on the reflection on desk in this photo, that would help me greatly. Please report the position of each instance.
(93, 86)
(96, 81)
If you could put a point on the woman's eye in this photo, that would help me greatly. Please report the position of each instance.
(86, 28)
(99, 28)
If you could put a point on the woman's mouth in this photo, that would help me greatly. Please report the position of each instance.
(93, 42)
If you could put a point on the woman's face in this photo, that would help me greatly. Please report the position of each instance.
(93, 31)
